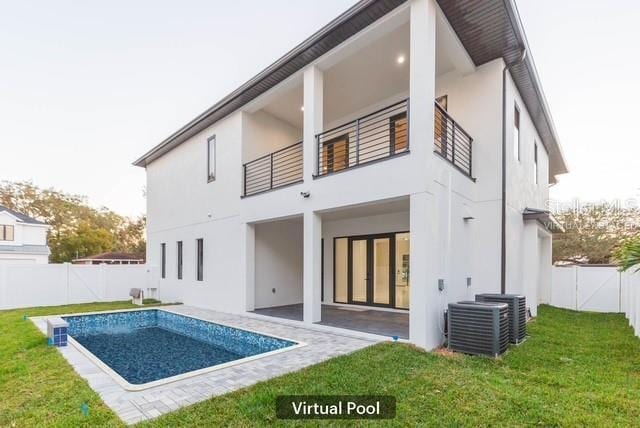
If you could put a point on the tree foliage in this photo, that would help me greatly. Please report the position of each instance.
(628, 255)
(593, 233)
(77, 229)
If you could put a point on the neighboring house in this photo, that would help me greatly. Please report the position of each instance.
(111, 258)
(23, 240)
(365, 168)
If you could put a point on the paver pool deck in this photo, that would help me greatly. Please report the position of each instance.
(136, 406)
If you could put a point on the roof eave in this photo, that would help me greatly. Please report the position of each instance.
(200, 122)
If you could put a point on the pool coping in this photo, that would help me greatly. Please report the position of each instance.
(140, 387)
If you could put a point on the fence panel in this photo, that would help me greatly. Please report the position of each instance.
(598, 288)
(59, 284)
(563, 287)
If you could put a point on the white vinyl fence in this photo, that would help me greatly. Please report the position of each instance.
(60, 284)
(597, 289)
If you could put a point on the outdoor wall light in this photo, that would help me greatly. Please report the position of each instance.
(400, 59)
(305, 194)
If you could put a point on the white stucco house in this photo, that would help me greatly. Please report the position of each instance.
(23, 240)
(397, 160)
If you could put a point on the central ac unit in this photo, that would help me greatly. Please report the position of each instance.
(517, 313)
(478, 328)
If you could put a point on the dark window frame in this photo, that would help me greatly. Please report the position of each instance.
(392, 132)
(392, 268)
(163, 260)
(211, 169)
(4, 234)
(535, 163)
(516, 126)
(180, 259)
(200, 259)
(330, 145)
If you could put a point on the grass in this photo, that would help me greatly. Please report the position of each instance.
(576, 369)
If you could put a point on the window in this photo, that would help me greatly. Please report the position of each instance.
(163, 248)
(211, 158)
(535, 163)
(398, 132)
(200, 259)
(516, 133)
(179, 252)
(6, 232)
(336, 154)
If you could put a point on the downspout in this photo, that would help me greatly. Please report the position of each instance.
(503, 226)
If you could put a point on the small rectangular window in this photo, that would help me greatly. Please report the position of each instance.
(211, 158)
(179, 252)
(200, 259)
(163, 248)
(516, 133)
(6, 232)
(535, 162)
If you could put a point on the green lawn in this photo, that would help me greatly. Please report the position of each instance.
(575, 369)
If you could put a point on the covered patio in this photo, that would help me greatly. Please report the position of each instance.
(384, 323)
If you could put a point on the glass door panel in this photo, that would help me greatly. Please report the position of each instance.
(402, 270)
(381, 270)
(359, 270)
(341, 270)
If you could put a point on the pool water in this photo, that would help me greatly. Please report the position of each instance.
(149, 345)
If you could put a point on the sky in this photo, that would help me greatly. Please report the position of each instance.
(87, 87)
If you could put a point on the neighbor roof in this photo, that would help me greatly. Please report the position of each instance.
(488, 29)
(113, 255)
(21, 217)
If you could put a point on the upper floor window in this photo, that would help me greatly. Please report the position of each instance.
(200, 259)
(535, 163)
(516, 133)
(163, 261)
(6, 232)
(211, 158)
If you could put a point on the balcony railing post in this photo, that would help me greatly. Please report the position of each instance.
(318, 153)
(453, 142)
(357, 143)
(244, 167)
(470, 157)
(271, 171)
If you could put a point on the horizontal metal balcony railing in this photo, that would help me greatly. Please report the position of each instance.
(452, 142)
(277, 169)
(379, 135)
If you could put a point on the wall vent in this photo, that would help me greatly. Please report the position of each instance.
(478, 328)
(517, 313)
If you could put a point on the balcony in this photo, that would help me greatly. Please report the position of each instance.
(452, 142)
(379, 135)
(278, 169)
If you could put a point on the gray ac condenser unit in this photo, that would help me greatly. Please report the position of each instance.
(517, 313)
(478, 328)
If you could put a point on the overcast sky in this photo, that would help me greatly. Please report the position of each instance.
(87, 87)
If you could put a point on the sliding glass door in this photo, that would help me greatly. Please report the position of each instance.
(372, 270)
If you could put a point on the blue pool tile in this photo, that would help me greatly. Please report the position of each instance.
(143, 346)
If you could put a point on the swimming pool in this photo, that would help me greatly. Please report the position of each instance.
(144, 348)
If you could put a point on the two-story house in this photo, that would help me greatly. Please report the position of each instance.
(397, 160)
(23, 239)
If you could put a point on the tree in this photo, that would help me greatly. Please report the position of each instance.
(77, 229)
(628, 255)
(593, 233)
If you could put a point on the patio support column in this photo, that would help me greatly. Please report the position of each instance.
(313, 119)
(426, 301)
(312, 267)
(247, 264)
(422, 93)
